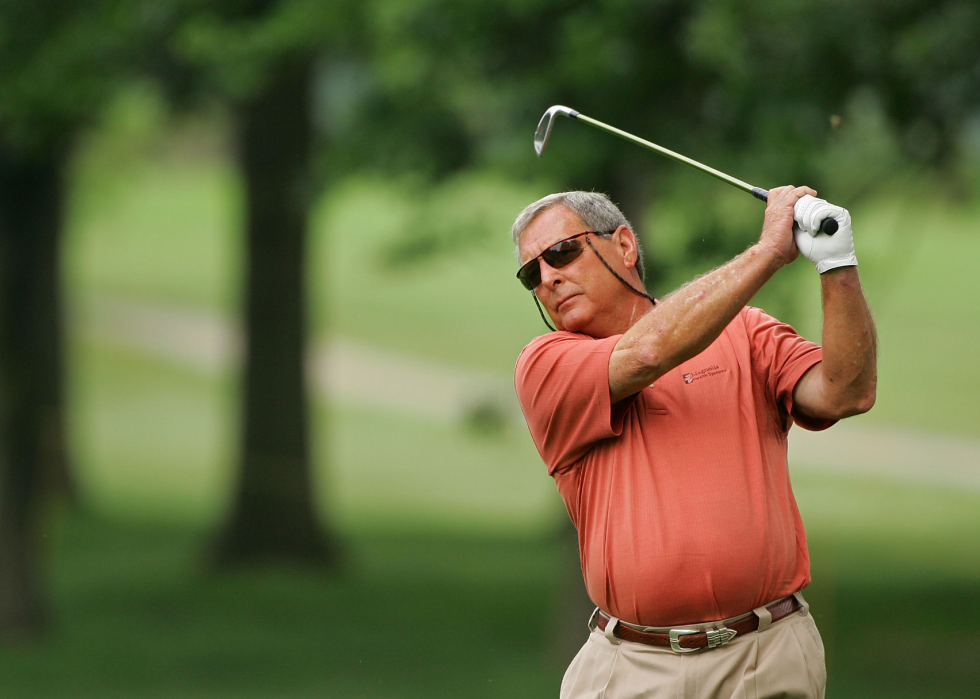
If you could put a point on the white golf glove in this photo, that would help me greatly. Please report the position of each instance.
(825, 251)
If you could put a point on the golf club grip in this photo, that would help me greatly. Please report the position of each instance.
(828, 225)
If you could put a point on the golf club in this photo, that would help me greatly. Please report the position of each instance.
(543, 132)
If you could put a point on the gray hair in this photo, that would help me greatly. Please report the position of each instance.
(596, 210)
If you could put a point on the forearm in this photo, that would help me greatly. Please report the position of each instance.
(687, 321)
(850, 345)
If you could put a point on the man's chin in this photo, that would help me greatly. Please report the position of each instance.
(574, 322)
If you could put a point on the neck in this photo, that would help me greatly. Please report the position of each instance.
(639, 308)
(619, 316)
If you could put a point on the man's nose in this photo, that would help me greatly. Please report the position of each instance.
(550, 277)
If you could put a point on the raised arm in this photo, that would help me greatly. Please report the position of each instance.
(844, 383)
(690, 319)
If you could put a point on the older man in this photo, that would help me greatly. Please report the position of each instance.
(664, 424)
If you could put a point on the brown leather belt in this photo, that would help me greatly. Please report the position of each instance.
(689, 640)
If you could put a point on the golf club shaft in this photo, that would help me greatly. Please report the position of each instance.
(757, 192)
(828, 226)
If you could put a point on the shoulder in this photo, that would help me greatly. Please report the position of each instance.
(752, 317)
(759, 326)
(553, 343)
(563, 356)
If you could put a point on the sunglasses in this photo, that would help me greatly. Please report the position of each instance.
(559, 255)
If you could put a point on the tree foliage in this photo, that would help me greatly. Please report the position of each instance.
(726, 76)
(61, 59)
(839, 95)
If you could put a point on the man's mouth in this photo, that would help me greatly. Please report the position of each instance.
(564, 301)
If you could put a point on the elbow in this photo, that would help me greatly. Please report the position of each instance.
(865, 403)
(858, 404)
(632, 370)
(866, 397)
(649, 359)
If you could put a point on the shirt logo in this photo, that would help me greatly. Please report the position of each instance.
(713, 370)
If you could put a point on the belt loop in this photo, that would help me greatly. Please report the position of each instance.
(804, 605)
(608, 631)
(765, 618)
(594, 620)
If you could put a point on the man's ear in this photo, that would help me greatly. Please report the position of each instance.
(626, 243)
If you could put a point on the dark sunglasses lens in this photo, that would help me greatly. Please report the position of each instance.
(557, 256)
(530, 274)
(562, 254)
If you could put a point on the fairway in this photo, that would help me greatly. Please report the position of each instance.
(165, 232)
(141, 614)
(434, 513)
(437, 518)
(263, 329)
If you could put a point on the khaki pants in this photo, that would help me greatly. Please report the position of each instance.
(785, 660)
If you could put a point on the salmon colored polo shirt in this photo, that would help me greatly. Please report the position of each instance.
(681, 493)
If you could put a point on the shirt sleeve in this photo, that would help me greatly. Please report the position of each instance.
(781, 356)
(562, 382)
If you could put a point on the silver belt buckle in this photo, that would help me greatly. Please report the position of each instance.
(716, 637)
(720, 636)
(675, 640)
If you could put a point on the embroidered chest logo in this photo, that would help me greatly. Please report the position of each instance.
(713, 370)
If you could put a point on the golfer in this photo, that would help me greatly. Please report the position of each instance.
(664, 424)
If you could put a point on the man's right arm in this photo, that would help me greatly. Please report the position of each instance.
(561, 382)
(689, 320)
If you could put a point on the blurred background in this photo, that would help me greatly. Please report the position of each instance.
(258, 322)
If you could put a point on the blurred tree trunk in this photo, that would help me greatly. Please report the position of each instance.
(32, 453)
(273, 514)
(572, 606)
(633, 185)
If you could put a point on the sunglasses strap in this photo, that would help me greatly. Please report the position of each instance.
(535, 297)
(616, 274)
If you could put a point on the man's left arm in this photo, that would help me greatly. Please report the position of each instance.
(844, 382)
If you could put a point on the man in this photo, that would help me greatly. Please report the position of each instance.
(664, 424)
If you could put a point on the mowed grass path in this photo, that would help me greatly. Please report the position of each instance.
(166, 230)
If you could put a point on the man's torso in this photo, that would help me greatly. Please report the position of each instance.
(687, 514)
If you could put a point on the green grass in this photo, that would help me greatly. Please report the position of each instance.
(154, 441)
(895, 570)
(463, 308)
(139, 612)
(924, 290)
(165, 228)
(148, 439)
(444, 528)
(428, 475)
(166, 231)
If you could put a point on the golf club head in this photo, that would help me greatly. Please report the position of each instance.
(547, 121)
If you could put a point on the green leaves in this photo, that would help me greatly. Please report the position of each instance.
(235, 45)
